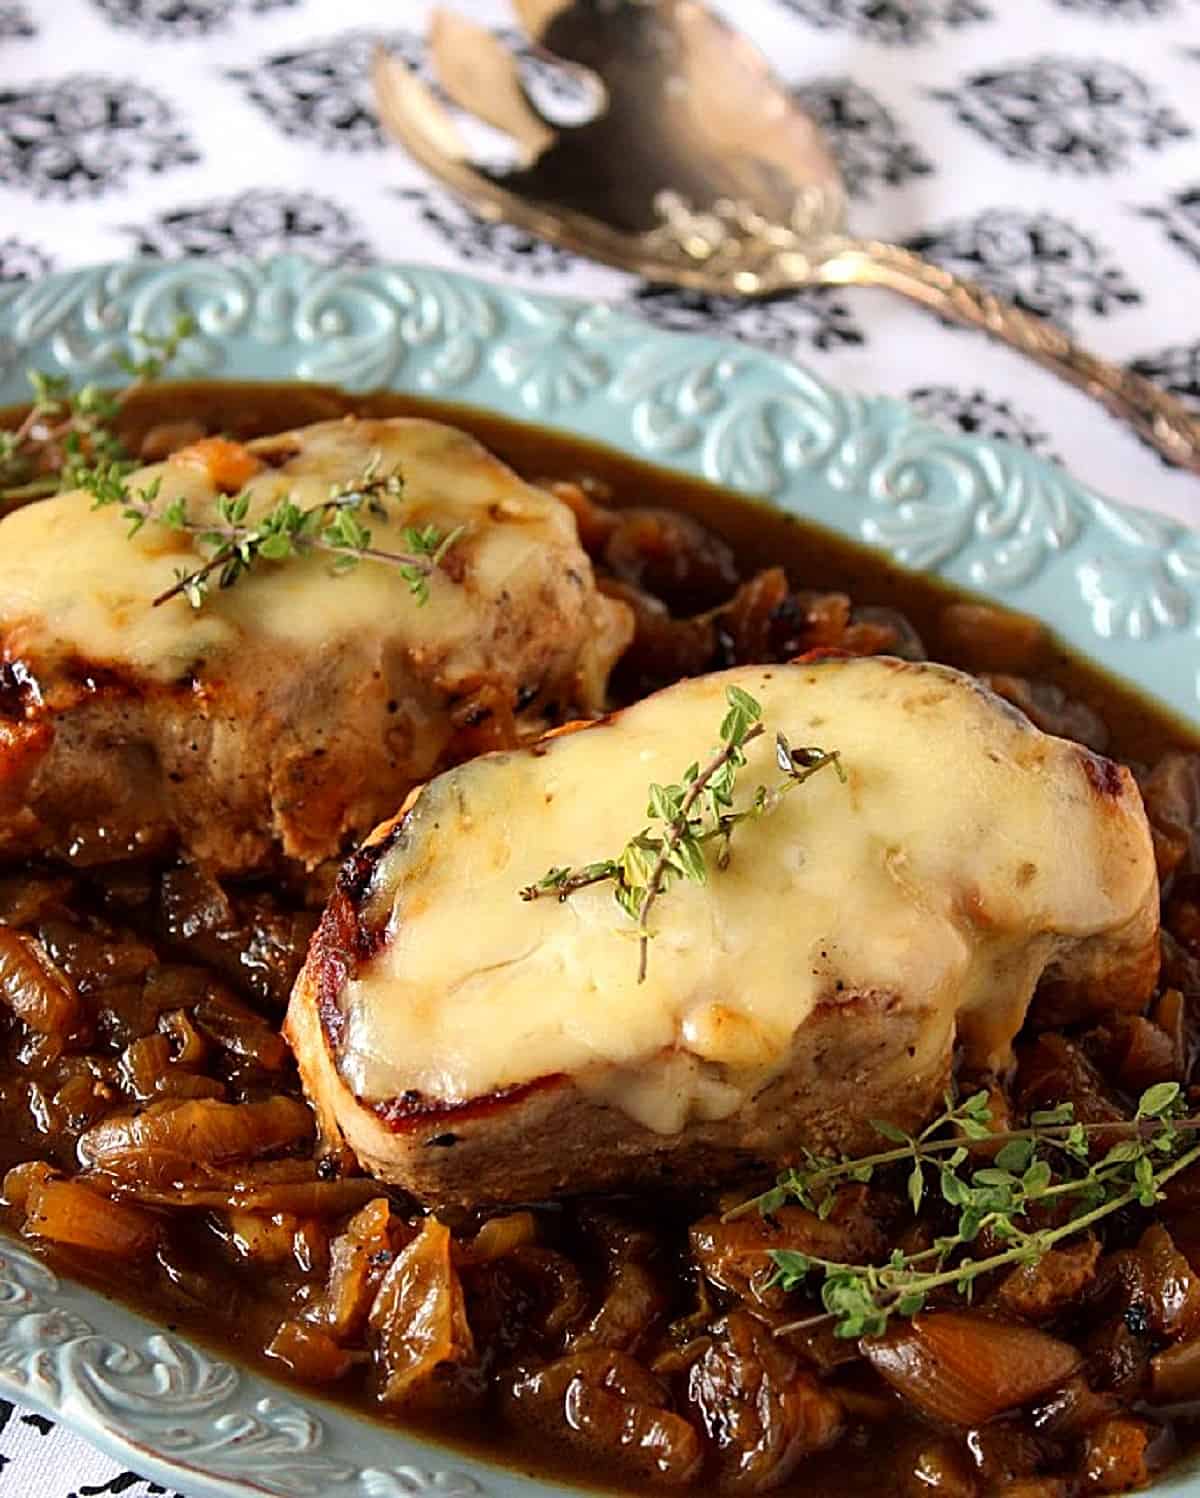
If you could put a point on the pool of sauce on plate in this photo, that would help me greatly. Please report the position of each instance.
(760, 536)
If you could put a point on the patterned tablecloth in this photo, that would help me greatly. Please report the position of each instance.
(1048, 148)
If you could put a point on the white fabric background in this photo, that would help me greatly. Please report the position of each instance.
(1051, 147)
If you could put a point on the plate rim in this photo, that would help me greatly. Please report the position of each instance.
(1119, 584)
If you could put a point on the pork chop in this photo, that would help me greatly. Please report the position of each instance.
(297, 708)
(471, 1046)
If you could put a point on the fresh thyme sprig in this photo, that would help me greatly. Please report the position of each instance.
(286, 531)
(67, 441)
(812, 1183)
(697, 810)
(66, 434)
(1001, 1198)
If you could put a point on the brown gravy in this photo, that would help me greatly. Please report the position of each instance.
(878, 1458)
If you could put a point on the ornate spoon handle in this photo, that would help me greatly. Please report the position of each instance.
(1165, 422)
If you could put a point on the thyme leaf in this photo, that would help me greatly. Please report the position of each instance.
(67, 440)
(697, 810)
(1050, 1161)
(68, 434)
(286, 531)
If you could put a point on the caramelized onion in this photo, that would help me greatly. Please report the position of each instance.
(632, 1305)
(188, 1046)
(1181, 914)
(558, 1282)
(21, 1179)
(309, 1352)
(1175, 1373)
(178, 1083)
(602, 1367)
(608, 1403)
(34, 987)
(734, 1255)
(143, 1064)
(1003, 1451)
(876, 630)
(1170, 1015)
(939, 1466)
(986, 638)
(241, 1031)
(420, 1318)
(1039, 1290)
(253, 942)
(500, 1236)
(24, 898)
(1071, 1409)
(644, 1440)
(95, 961)
(1144, 1054)
(1118, 1358)
(169, 1142)
(244, 1191)
(664, 647)
(265, 1239)
(167, 437)
(304, 1198)
(1168, 1284)
(752, 618)
(1172, 795)
(761, 1412)
(1035, 1487)
(69, 1212)
(964, 1368)
(671, 556)
(83, 1097)
(147, 1071)
(594, 518)
(1054, 1070)
(1119, 1456)
(1157, 1280)
(357, 1260)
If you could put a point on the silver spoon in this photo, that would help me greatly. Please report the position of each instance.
(700, 170)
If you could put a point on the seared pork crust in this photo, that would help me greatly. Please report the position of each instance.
(853, 1062)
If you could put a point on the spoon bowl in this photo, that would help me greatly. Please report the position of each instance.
(700, 169)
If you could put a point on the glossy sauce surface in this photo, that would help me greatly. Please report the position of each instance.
(142, 943)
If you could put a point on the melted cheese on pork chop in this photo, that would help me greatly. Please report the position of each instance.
(73, 581)
(293, 711)
(965, 850)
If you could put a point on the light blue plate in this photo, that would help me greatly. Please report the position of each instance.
(1121, 585)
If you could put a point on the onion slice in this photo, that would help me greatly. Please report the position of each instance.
(964, 1368)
